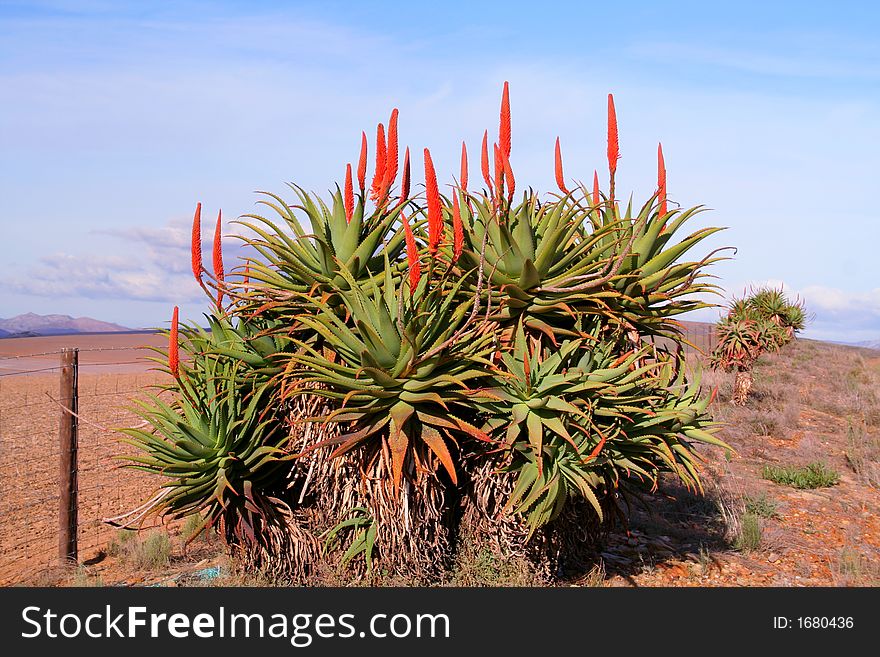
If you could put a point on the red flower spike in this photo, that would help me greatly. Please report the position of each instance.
(435, 211)
(173, 346)
(596, 197)
(246, 279)
(560, 178)
(484, 161)
(362, 163)
(405, 177)
(412, 255)
(379, 173)
(390, 156)
(457, 230)
(463, 178)
(661, 181)
(348, 197)
(504, 127)
(499, 172)
(218, 258)
(197, 245)
(613, 148)
(508, 177)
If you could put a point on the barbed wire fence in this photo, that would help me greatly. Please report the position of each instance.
(35, 449)
(35, 488)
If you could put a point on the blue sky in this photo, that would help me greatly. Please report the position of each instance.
(116, 118)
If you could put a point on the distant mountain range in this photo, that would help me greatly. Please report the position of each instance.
(31, 324)
(869, 344)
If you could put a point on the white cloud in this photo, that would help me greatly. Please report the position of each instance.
(149, 264)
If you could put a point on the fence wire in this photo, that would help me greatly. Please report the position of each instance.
(30, 476)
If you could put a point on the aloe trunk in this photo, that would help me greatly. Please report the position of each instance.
(742, 386)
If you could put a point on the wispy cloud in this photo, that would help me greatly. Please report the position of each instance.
(844, 315)
(152, 264)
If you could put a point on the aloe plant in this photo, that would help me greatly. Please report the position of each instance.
(400, 369)
(220, 444)
(576, 418)
(763, 322)
(442, 335)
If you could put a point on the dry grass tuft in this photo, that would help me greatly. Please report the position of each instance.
(854, 568)
(151, 552)
(863, 453)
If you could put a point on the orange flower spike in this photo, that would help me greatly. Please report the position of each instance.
(405, 177)
(173, 346)
(246, 279)
(390, 155)
(504, 127)
(435, 211)
(457, 230)
(412, 255)
(348, 196)
(379, 173)
(661, 181)
(560, 178)
(499, 172)
(484, 161)
(463, 178)
(197, 267)
(362, 163)
(218, 258)
(596, 197)
(508, 177)
(613, 147)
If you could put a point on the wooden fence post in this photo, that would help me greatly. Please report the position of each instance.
(67, 512)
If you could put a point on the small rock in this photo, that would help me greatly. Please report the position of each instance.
(773, 557)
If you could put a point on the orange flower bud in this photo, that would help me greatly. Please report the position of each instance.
(362, 163)
(508, 177)
(348, 197)
(405, 177)
(463, 178)
(661, 181)
(379, 173)
(196, 246)
(173, 346)
(218, 258)
(504, 127)
(613, 148)
(390, 156)
(457, 230)
(435, 211)
(484, 161)
(560, 178)
(412, 255)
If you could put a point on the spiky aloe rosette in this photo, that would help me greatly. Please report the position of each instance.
(443, 366)
(764, 321)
